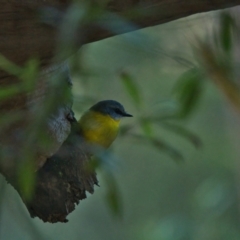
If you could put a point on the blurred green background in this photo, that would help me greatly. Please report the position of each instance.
(161, 199)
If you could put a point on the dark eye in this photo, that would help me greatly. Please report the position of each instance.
(118, 111)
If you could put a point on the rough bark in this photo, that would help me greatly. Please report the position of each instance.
(62, 182)
(24, 35)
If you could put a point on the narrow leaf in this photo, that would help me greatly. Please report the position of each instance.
(188, 90)
(27, 178)
(10, 91)
(162, 146)
(146, 127)
(29, 74)
(194, 139)
(113, 196)
(131, 88)
(9, 66)
(226, 25)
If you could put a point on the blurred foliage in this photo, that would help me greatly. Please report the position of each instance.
(153, 198)
(220, 63)
(27, 75)
(131, 88)
(227, 26)
(188, 90)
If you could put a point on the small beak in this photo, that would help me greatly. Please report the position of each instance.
(127, 115)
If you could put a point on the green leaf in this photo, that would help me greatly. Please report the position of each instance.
(188, 90)
(27, 177)
(9, 66)
(26, 75)
(226, 26)
(146, 127)
(30, 74)
(10, 118)
(113, 196)
(131, 88)
(2, 193)
(163, 146)
(194, 139)
(10, 91)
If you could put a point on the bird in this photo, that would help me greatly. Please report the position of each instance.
(99, 125)
(68, 175)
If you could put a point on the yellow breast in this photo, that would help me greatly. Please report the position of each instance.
(98, 128)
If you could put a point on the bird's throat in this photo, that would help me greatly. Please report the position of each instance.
(98, 129)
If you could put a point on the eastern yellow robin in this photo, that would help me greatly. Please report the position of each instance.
(100, 124)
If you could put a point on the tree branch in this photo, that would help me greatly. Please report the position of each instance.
(23, 35)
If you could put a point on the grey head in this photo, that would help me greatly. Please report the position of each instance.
(111, 108)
